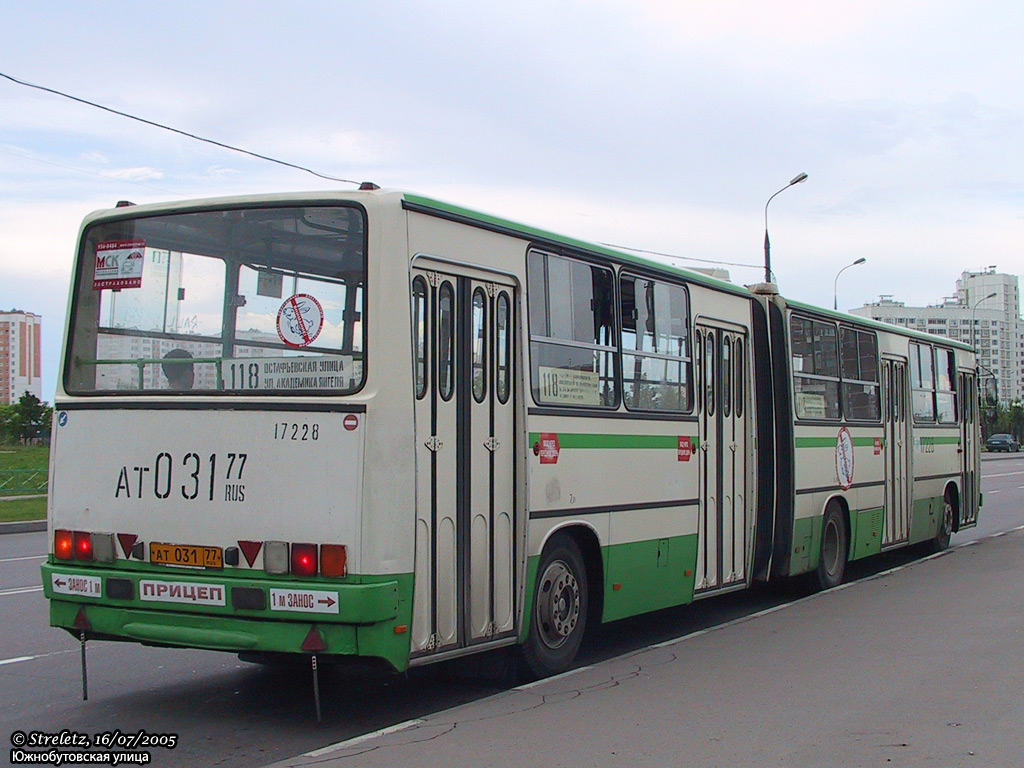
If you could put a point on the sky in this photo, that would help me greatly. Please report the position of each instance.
(652, 124)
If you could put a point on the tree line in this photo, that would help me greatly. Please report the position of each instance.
(997, 418)
(26, 420)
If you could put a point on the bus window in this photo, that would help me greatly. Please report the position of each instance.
(739, 369)
(419, 333)
(268, 299)
(709, 373)
(945, 386)
(479, 345)
(446, 341)
(655, 345)
(726, 376)
(503, 384)
(573, 353)
(922, 382)
(815, 362)
(859, 372)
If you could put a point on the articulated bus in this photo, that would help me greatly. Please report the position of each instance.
(376, 427)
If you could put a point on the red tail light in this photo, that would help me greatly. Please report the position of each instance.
(304, 559)
(333, 560)
(83, 545)
(63, 544)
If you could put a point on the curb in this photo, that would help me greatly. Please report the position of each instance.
(26, 526)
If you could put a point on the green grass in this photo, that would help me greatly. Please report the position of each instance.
(23, 459)
(22, 509)
(24, 456)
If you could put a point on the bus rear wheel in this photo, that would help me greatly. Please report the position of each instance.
(835, 545)
(559, 616)
(945, 530)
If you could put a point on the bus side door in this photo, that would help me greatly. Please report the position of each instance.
(967, 396)
(723, 540)
(463, 349)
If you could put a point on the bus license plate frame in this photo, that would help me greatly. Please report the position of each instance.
(186, 555)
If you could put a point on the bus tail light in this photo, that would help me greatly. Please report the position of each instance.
(63, 544)
(333, 560)
(275, 557)
(103, 550)
(304, 560)
(83, 545)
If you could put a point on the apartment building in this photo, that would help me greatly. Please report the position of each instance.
(21, 359)
(984, 312)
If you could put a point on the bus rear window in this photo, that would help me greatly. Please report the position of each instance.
(262, 300)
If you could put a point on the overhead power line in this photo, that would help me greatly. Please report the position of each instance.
(683, 258)
(174, 130)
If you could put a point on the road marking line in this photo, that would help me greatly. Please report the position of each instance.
(19, 591)
(16, 659)
(1004, 474)
(559, 676)
(365, 737)
(992, 492)
(15, 559)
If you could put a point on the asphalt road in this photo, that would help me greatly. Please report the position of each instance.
(227, 713)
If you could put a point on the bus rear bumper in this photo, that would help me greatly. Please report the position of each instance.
(371, 619)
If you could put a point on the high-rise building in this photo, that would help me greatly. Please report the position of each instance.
(985, 313)
(20, 356)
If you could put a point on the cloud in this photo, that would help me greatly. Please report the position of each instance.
(133, 174)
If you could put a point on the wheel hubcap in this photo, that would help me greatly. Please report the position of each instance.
(558, 604)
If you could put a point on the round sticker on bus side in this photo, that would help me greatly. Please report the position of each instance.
(844, 458)
(300, 320)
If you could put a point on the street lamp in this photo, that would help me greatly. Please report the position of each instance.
(835, 283)
(767, 246)
(973, 321)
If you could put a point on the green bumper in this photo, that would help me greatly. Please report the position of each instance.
(364, 616)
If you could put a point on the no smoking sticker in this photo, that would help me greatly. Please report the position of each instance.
(300, 320)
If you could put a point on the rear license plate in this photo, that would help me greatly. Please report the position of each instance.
(186, 555)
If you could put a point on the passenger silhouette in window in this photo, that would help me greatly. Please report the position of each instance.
(179, 370)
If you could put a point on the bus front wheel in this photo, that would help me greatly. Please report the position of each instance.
(834, 548)
(559, 615)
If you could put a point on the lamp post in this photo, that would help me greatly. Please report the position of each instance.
(974, 309)
(767, 246)
(835, 283)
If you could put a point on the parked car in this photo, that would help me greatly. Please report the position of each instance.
(1002, 443)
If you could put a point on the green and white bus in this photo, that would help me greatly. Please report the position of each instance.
(374, 426)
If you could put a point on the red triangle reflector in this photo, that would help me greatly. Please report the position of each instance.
(127, 540)
(313, 641)
(82, 621)
(250, 549)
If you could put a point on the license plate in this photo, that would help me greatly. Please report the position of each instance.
(186, 555)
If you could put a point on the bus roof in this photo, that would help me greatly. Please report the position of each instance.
(469, 216)
(879, 325)
(498, 224)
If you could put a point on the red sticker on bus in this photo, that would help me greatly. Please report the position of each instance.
(685, 450)
(878, 446)
(351, 422)
(549, 448)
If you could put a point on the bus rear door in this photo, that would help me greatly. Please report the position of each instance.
(465, 457)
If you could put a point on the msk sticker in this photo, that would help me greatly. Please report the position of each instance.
(119, 264)
(300, 320)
